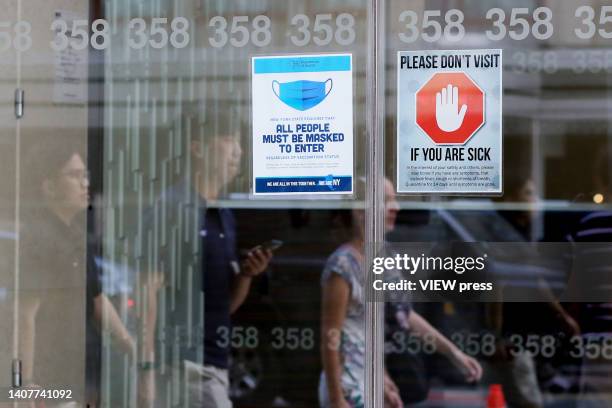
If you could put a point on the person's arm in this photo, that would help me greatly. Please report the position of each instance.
(494, 317)
(392, 393)
(254, 264)
(334, 306)
(148, 319)
(570, 325)
(148, 316)
(551, 300)
(240, 291)
(107, 318)
(421, 327)
(28, 308)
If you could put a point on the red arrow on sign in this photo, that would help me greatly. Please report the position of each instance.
(450, 108)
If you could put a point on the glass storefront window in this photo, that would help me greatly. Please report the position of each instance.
(160, 249)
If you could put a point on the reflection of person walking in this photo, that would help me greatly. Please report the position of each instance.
(591, 280)
(220, 281)
(60, 286)
(343, 321)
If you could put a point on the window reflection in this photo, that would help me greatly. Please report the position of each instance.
(149, 284)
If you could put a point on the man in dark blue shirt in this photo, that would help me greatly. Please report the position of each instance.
(205, 279)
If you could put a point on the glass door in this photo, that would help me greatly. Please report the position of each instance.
(47, 185)
(8, 74)
(214, 260)
(552, 202)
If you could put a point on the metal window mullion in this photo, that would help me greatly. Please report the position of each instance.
(374, 212)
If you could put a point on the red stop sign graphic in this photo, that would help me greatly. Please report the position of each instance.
(450, 108)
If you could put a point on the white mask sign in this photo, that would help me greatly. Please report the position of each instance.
(302, 124)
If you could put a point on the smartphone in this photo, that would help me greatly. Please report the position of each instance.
(272, 244)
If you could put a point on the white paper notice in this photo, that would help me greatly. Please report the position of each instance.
(70, 85)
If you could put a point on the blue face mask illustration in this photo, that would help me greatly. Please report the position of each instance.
(301, 95)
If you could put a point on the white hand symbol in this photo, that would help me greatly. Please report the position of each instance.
(448, 116)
